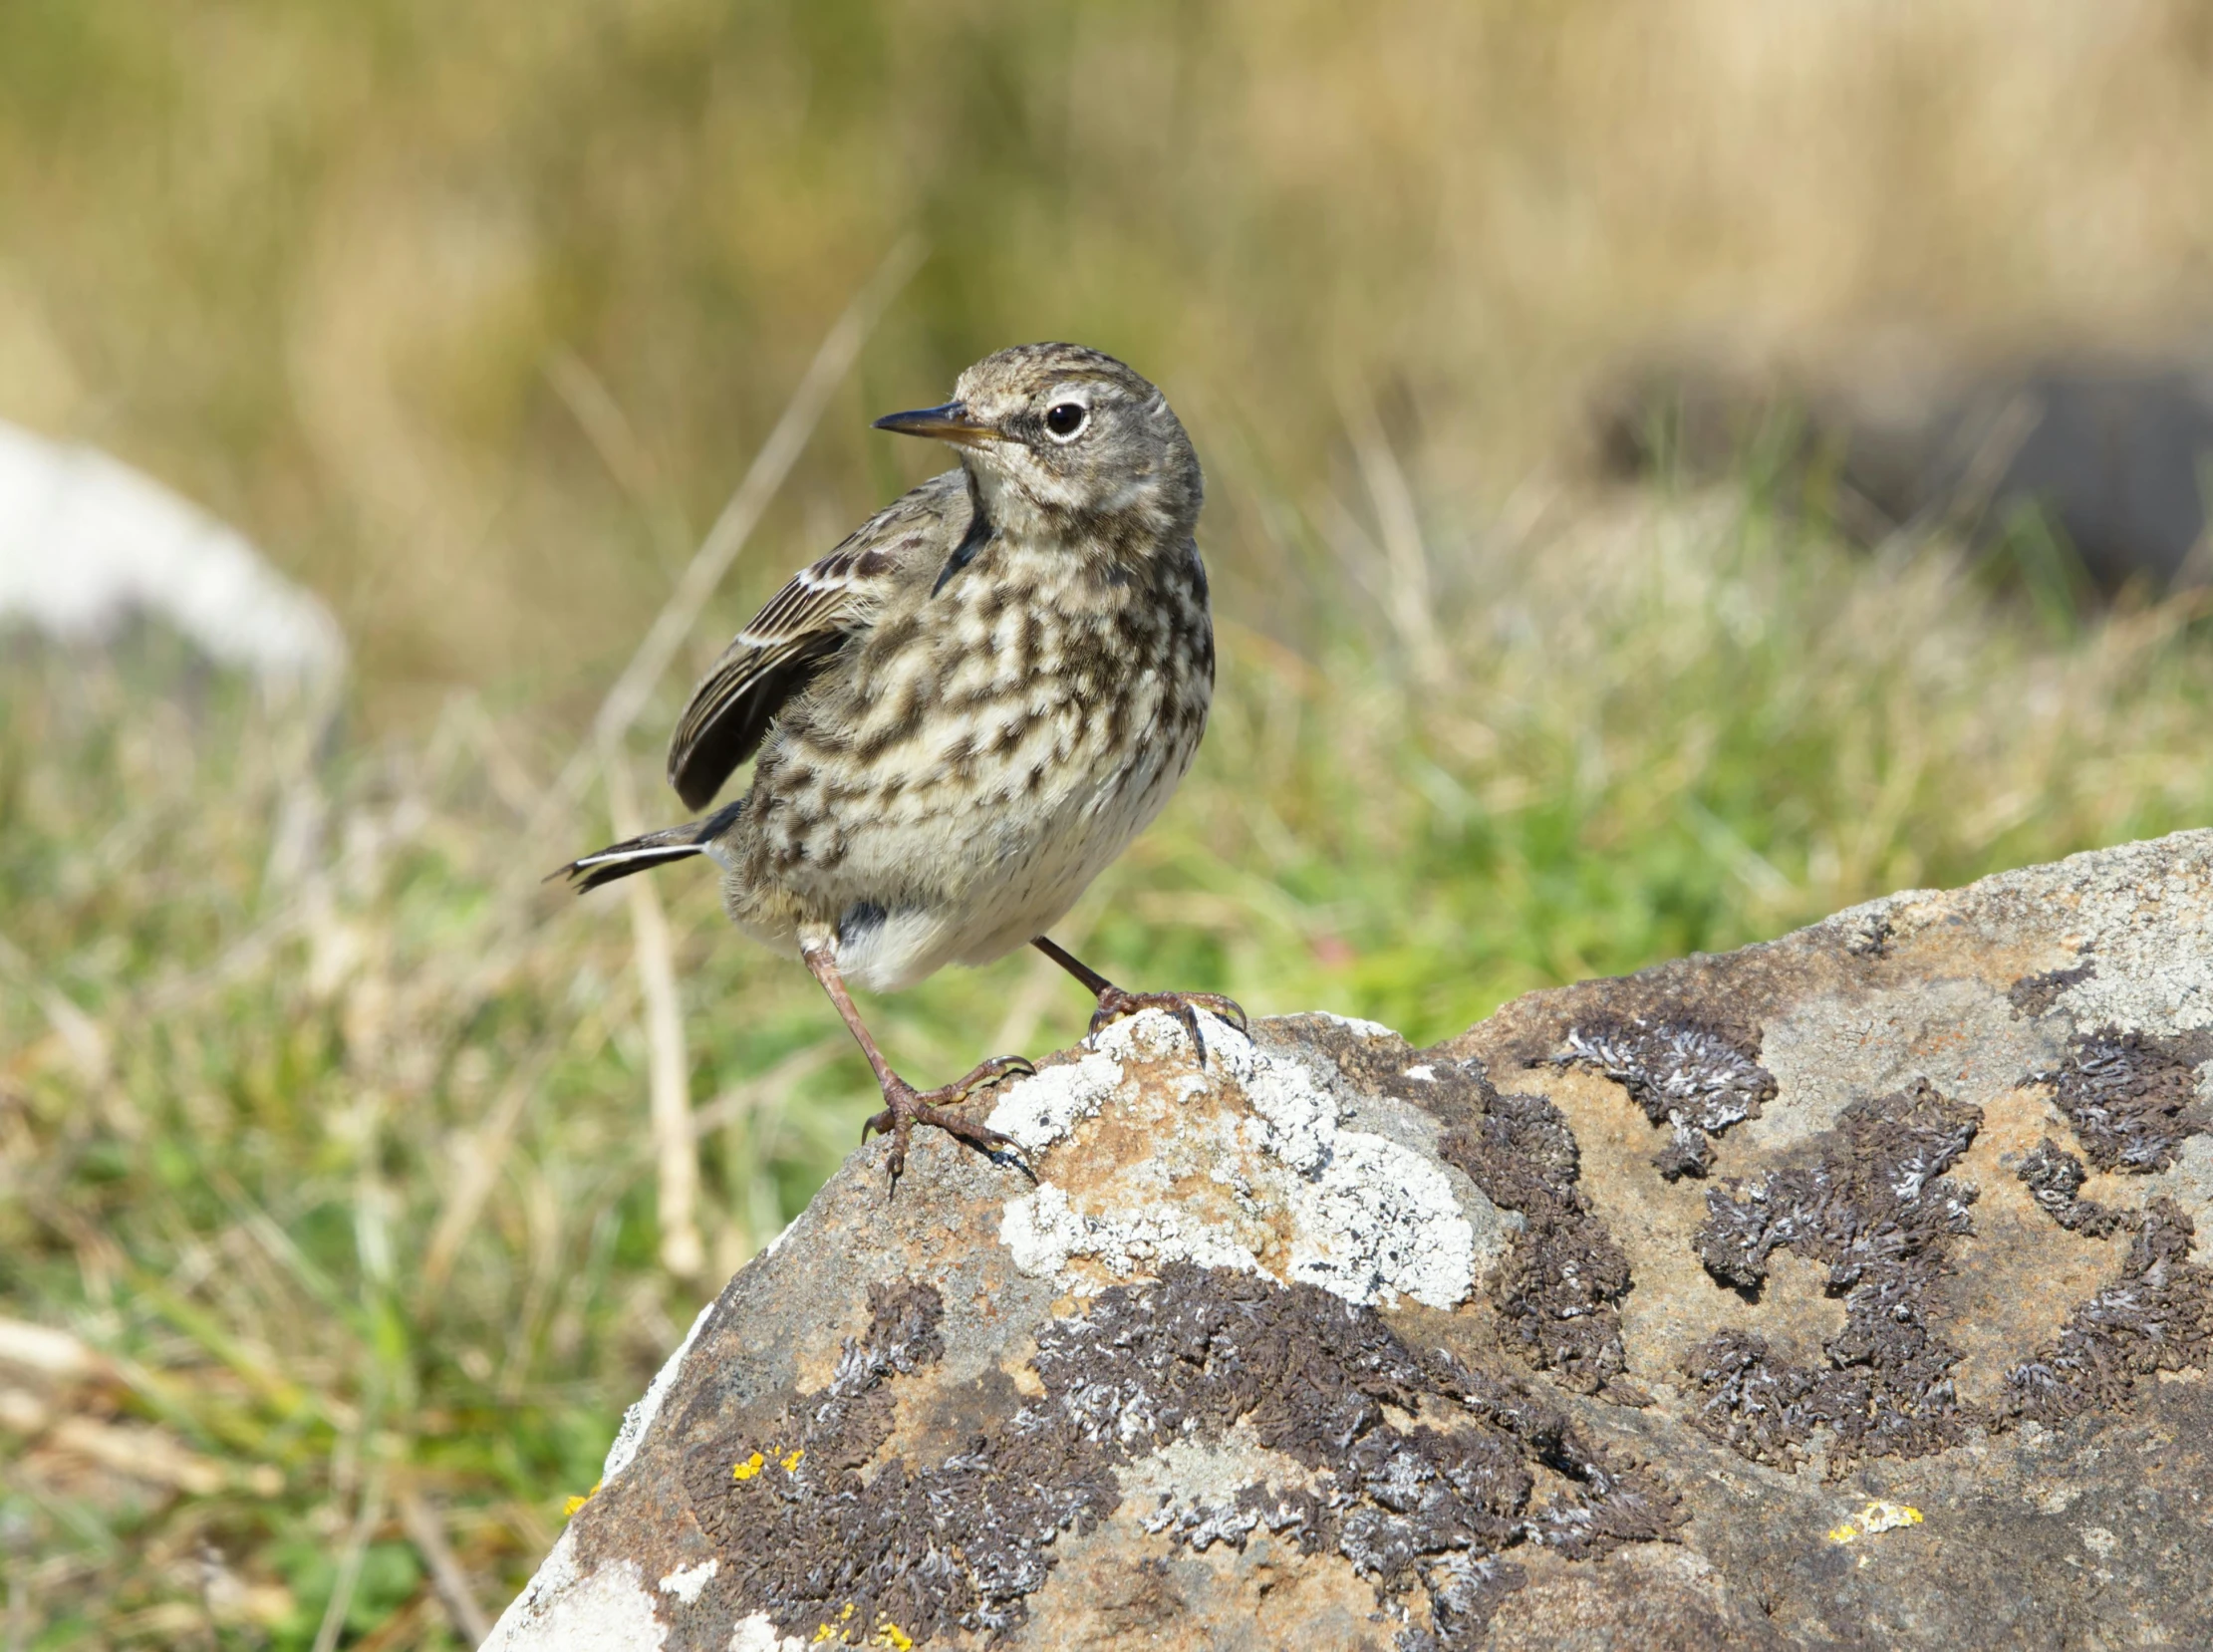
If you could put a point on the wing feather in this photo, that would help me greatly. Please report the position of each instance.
(796, 633)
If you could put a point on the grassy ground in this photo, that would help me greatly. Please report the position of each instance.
(323, 1124)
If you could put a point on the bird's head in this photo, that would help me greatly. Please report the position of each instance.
(1064, 435)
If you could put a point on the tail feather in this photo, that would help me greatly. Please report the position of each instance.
(620, 860)
(644, 852)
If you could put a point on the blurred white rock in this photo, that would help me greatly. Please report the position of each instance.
(86, 543)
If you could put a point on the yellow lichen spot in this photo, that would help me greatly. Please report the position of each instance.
(749, 1468)
(792, 1459)
(846, 1616)
(568, 1508)
(1887, 1516)
(822, 1633)
(892, 1635)
(1877, 1516)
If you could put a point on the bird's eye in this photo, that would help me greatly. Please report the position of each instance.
(1064, 418)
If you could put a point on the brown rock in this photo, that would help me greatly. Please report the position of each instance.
(1850, 1290)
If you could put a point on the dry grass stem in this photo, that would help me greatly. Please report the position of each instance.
(735, 1103)
(426, 1530)
(366, 1518)
(833, 359)
(483, 1157)
(669, 1068)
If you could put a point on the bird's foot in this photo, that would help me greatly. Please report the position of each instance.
(1114, 1003)
(905, 1107)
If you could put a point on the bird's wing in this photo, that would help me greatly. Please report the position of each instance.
(794, 635)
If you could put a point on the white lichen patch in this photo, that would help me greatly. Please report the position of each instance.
(1194, 1471)
(562, 1611)
(1203, 1494)
(1045, 1232)
(1828, 1049)
(640, 1417)
(1045, 1107)
(1245, 1164)
(2142, 916)
(1302, 1116)
(1365, 1248)
(1370, 1030)
(758, 1635)
(685, 1582)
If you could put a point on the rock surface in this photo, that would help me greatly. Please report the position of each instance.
(1851, 1289)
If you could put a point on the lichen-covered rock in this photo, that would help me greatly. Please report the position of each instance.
(1853, 1290)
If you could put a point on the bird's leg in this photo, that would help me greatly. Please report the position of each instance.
(904, 1105)
(1114, 1002)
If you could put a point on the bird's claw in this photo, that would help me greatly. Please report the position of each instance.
(1115, 1003)
(905, 1107)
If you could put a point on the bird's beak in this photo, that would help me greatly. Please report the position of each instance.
(951, 422)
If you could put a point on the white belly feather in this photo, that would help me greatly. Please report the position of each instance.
(1022, 867)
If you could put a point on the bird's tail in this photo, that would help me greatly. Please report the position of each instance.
(642, 853)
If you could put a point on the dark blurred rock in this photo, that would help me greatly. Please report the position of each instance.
(1846, 1290)
(2117, 454)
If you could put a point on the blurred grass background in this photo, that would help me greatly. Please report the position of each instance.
(323, 1128)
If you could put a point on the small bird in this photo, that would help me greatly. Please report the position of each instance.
(964, 711)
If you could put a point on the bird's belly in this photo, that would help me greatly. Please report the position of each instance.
(969, 862)
(1034, 876)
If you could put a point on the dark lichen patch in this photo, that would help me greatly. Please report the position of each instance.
(1870, 937)
(824, 1538)
(1418, 1496)
(1369, 1061)
(1308, 1375)
(1296, 1515)
(1697, 1076)
(2054, 1179)
(1561, 1288)
(1763, 1407)
(2131, 1096)
(2034, 996)
(1876, 1208)
(1463, 1592)
(1198, 1527)
(817, 1543)
(1877, 1194)
(2158, 1317)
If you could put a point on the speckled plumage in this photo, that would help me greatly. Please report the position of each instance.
(969, 708)
(979, 753)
